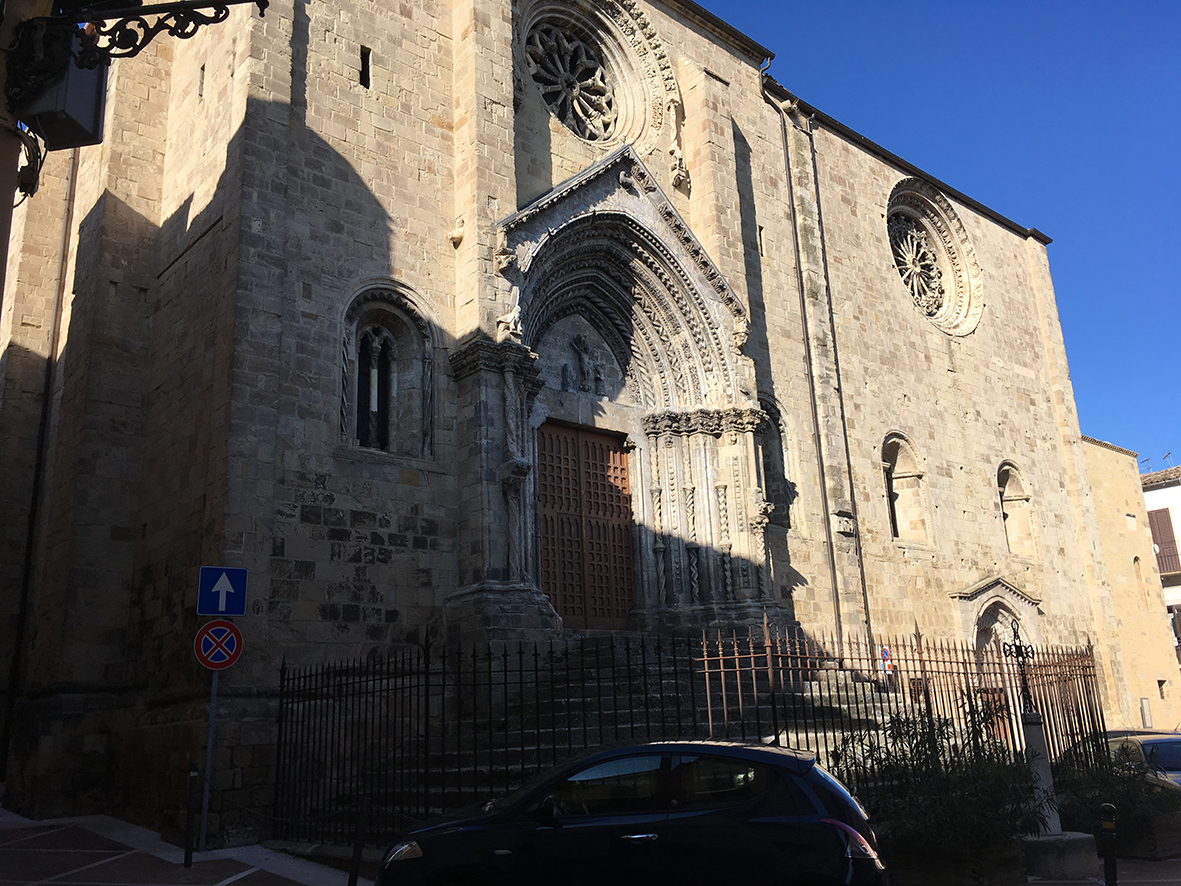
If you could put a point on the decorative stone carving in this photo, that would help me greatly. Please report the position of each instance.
(573, 81)
(844, 523)
(705, 421)
(933, 256)
(600, 68)
(483, 354)
(513, 474)
(917, 263)
(508, 324)
(662, 307)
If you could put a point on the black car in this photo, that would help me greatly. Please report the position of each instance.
(681, 813)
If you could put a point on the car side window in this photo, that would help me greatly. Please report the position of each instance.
(1124, 751)
(1165, 753)
(624, 786)
(699, 782)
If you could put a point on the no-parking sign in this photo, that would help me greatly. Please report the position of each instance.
(218, 644)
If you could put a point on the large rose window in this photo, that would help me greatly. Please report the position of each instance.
(573, 82)
(934, 257)
(917, 263)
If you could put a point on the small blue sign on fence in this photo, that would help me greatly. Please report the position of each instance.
(221, 591)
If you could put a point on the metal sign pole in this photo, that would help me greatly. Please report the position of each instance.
(208, 761)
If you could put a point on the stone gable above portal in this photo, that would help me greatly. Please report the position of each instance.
(608, 244)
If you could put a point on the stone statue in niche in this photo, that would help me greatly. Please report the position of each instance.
(587, 374)
(585, 368)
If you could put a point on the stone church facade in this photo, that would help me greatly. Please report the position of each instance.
(484, 319)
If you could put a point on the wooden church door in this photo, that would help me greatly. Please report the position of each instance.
(584, 511)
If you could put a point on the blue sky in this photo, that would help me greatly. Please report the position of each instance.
(1062, 116)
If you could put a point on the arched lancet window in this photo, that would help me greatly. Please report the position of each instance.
(386, 396)
(904, 490)
(780, 490)
(377, 384)
(1015, 511)
(1141, 591)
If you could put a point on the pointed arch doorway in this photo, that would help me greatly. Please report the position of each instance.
(585, 526)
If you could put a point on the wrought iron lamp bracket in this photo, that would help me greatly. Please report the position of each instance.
(93, 35)
(123, 33)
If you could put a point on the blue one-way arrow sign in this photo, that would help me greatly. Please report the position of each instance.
(221, 591)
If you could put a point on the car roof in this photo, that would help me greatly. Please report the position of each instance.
(772, 755)
(1142, 734)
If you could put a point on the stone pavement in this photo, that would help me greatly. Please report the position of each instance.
(1129, 872)
(102, 851)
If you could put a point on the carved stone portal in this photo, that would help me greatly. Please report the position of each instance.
(636, 333)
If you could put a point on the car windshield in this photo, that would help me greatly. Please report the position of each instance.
(1165, 753)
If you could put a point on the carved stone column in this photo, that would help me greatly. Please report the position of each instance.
(709, 516)
(498, 597)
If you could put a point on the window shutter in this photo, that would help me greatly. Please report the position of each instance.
(1160, 523)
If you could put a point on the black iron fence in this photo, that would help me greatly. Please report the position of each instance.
(432, 728)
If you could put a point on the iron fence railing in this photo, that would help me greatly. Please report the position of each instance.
(430, 728)
(824, 695)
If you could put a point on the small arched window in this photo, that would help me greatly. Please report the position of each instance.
(1141, 591)
(904, 490)
(386, 396)
(1015, 511)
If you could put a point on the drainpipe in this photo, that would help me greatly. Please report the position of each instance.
(22, 618)
(836, 361)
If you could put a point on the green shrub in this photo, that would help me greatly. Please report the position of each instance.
(929, 786)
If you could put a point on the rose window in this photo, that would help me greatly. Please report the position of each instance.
(917, 263)
(573, 82)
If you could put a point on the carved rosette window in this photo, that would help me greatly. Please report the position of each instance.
(917, 263)
(573, 81)
(599, 68)
(933, 257)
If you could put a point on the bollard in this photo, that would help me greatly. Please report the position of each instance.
(190, 815)
(359, 843)
(1107, 836)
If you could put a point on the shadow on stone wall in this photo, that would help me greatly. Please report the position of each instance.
(174, 380)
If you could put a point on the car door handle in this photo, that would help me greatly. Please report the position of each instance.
(640, 838)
